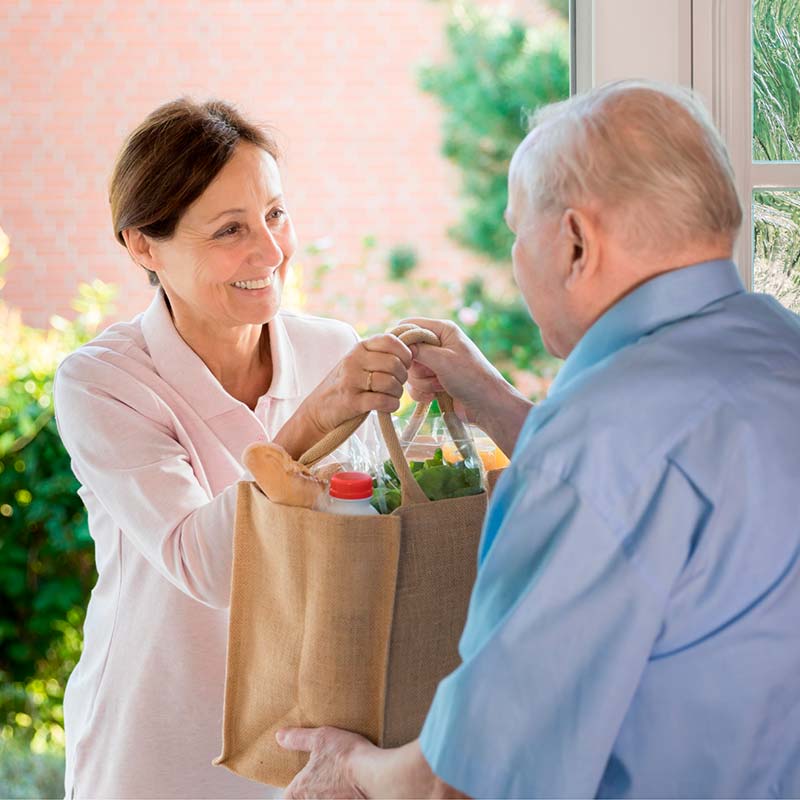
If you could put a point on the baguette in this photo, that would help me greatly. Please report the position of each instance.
(281, 478)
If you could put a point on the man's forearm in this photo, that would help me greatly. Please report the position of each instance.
(401, 772)
(504, 415)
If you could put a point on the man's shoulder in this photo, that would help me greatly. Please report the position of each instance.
(612, 429)
(706, 379)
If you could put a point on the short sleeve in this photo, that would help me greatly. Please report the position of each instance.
(129, 459)
(563, 617)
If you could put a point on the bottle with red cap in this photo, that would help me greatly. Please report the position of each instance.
(350, 493)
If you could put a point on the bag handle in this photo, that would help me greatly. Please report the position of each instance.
(411, 491)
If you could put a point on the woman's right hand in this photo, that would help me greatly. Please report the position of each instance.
(369, 378)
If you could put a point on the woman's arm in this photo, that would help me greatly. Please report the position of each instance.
(143, 477)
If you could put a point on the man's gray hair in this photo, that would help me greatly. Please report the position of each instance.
(646, 153)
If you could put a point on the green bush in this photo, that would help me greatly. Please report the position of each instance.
(22, 776)
(46, 554)
(501, 328)
(401, 260)
(776, 80)
(498, 72)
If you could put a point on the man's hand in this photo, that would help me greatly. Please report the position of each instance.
(482, 396)
(332, 765)
(342, 764)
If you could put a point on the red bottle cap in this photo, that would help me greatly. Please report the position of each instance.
(351, 485)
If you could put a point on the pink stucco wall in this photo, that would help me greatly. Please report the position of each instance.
(337, 78)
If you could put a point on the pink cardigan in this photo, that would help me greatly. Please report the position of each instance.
(156, 443)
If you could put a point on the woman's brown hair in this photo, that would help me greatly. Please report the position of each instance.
(169, 161)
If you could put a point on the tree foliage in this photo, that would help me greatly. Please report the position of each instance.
(498, 71)
(46, 554)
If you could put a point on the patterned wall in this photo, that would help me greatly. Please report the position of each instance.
(336, 77)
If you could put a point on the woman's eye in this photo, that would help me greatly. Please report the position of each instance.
(277, 213)
(229, 231)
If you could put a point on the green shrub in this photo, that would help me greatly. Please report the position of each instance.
(502, 328)
(22, 776)
(498, 72)
(402, 260)
(776, 80)
(46, 555)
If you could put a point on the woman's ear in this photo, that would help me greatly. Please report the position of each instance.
(580, 234)
(141, 250)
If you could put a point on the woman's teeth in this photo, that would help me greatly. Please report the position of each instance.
(262, 284)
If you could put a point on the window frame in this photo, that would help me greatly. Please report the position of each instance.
(709, 47)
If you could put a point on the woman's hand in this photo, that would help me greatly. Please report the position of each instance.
(481, 394)
(369, 378)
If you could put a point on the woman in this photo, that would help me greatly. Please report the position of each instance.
(155, 414)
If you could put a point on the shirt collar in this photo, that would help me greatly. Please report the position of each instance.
(666, 298)
(188, 374)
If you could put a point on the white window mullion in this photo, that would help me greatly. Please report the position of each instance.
(775, 175)
(722, 75)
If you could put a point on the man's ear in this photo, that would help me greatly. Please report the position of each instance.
(141, 249)
(579, 233)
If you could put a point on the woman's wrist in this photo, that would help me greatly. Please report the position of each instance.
(299, 433)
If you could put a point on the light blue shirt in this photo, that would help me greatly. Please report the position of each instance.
(634, 629)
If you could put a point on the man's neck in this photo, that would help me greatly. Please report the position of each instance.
(630, 271)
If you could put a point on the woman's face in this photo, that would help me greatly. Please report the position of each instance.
(227, 260)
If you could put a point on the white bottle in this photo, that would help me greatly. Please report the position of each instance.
(350, 493)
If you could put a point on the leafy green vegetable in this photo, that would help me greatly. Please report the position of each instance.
(438, 479)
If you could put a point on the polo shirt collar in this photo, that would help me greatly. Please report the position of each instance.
(188, 374)
(667, 298)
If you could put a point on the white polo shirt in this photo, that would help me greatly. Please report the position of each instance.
(156, 443)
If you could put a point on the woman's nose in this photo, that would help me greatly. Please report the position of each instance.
(268, 250)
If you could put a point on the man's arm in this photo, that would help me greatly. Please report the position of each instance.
(344, 764)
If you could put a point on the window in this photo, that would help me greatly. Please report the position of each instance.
(746, 63)
(743, 58)
(776, 149)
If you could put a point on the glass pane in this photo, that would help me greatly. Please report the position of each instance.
(776, 80)
(776, 234)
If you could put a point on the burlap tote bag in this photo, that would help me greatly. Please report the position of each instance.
(344, 621)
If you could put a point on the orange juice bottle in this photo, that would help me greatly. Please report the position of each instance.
(491, 455)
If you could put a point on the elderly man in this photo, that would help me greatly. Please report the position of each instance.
(633, 629)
